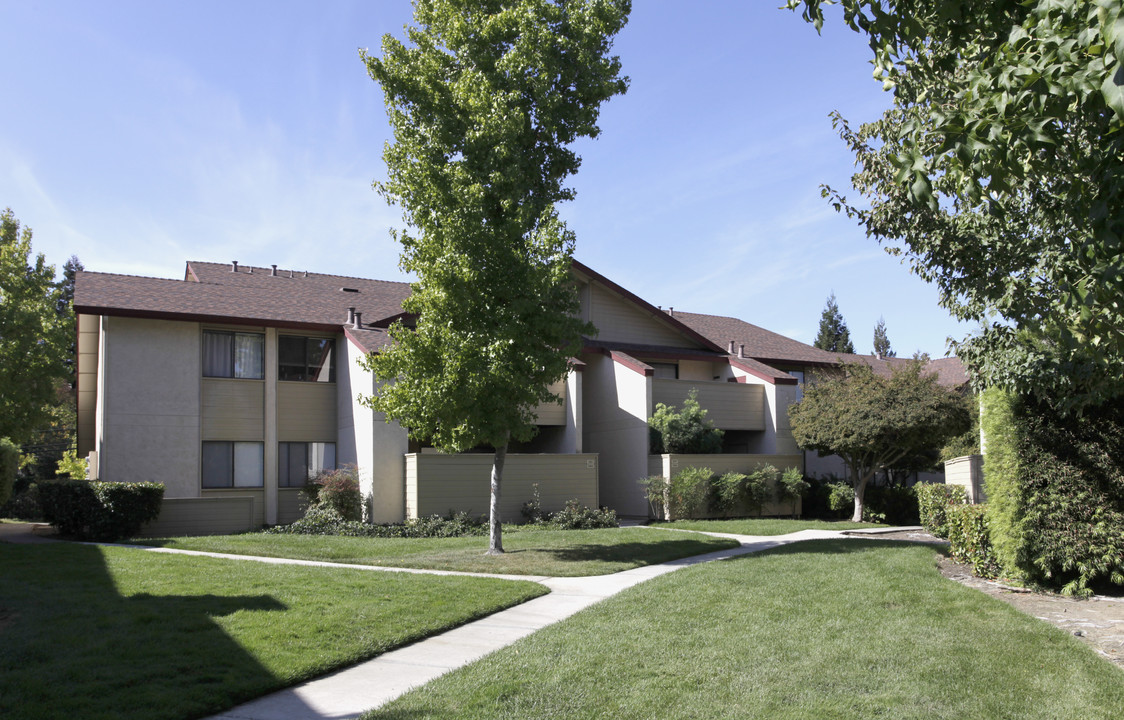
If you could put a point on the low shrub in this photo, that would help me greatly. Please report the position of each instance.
(99, 511)
(24, 502)
(840, 498)
(9, 464)
(71, 466)
(969, 539)
(325, 520)
(791, 487)
(896, 503)
(576, 516)
(689, 493)
(933, 503)
(686, 431)
(339, 490)
(655, 489)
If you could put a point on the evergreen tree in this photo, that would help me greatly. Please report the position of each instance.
(834, 335)
(881, 342)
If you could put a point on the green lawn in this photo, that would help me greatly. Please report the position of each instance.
(823, 629)
(100, 632)
(764, 526)
(529, 552)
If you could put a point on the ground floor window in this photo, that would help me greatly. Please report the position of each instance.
(297, 462)
(233, 464)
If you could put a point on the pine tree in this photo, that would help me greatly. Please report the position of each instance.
(834, 335)
(881, 342)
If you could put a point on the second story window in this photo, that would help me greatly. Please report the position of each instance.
(232, 355)
(306, 359)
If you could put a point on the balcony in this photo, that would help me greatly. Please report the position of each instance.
(730, 406)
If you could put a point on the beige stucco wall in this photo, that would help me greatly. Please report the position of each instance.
(149, 404)
(616, 403)
(436, 484)
(376, 447)
(967, 472)
(213, 515)
(89, 334)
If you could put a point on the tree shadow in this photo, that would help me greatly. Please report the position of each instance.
(77, 646)
(644, 552)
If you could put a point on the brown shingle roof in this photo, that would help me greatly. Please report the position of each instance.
(257, 298)
(760, 344)
(950, 371)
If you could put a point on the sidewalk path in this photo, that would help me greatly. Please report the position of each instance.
(350, 692)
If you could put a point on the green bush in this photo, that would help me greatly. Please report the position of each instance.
(897, 504)
(9, 464)
(100, 511)
(71, 466)
(689, 493)
(576, 516)
(841, 497)
(326, 520)
(969, 539)
(24, 502)
(1055, 489)
(729, 491)
(791, 487)
(655, 490)
(687, 431)
(933, 503)
(339, 490)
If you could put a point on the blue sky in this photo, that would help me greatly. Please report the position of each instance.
(139, 135)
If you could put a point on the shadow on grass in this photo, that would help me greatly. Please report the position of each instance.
(849, 546)
(79, 644)
(631, 552)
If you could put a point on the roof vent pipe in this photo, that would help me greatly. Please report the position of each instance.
(233, 266)
(306, 273)
(290, 273)
(741, 351)
(274, 271)
(731, 350)
(250, 269)
(358, 324)
(351, 316)
(671, 311)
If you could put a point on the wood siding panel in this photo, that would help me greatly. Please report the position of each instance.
(306, 412)
(436, 484)
(290, 505)
(620, 320)
(730, 406)
(721, 464)
(233, 410)
(89, 338)
(550, 413)
(206, 516)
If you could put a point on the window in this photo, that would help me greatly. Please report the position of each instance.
(297, 462)
(233, 464)
(306, 359)
(232, 355)
(667, 371)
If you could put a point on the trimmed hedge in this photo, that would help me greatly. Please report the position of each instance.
(1055, 489)
(934, 503)
(99, 511)
(969, 539)
(326, 520)
(9, 464)
(698, 492)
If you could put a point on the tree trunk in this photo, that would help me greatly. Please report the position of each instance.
(495, 529)
(860, 489)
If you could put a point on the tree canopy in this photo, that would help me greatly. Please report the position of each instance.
(484, 100)
(875, 423)
(34, 337)
(683, 431)
(881, 341)
(998, 173)
(833, 334)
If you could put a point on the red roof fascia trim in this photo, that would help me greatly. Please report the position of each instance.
(647, 306)
(191, 276)
(355, 341)
(630, 362)
(759, 374)
(195, 317)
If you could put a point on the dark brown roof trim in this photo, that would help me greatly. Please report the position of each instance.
(630, 362)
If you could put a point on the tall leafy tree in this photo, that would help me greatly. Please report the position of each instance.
(999, 173)
(833, 335)
(881, 341)
(485, 99)
(875, 423)
(33, 336)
